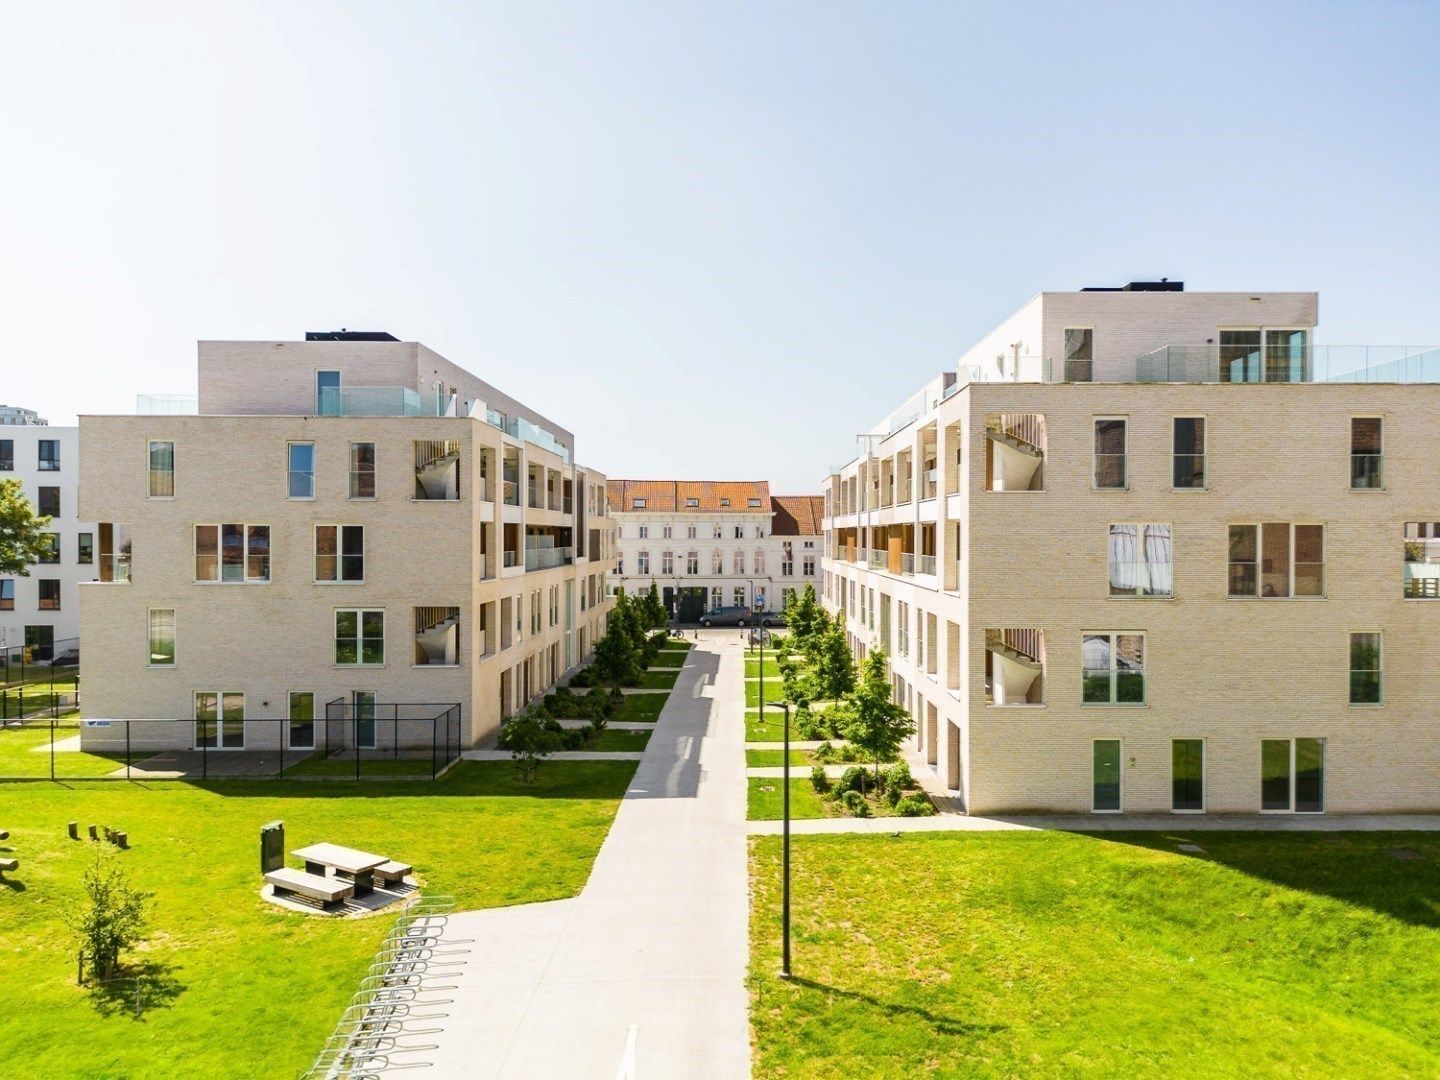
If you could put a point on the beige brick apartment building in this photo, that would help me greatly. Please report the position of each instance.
(1154, 551)
(350, 521)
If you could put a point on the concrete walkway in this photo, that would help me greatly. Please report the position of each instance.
(1178, 823)
(658, 939)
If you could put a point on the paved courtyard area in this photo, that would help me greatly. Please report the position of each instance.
(652, 954)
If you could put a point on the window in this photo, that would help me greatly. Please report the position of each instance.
(1079, 354)
(1187, 434)
(692, 503)
(1110, 453)
(1264, 356)
(7, 594)
(232, 553)
(85, 548)
(752, 503)
(1113, 669)
(1187, 775)
(220, 719)
(162, 469)
(1367, 439)
(759, 532)
(1105, 776)
(759, 561)
(51, 555)
(665, 532)
(1292, 775)
(1422, 560)
(739, 596)
(7, 455)
(642, 563)
(1365, 668)
(162, 637)
(807, 566)
(302, 720)
(692, 562)
(49, 594)
(667, 562)
(690, 532)
(49, 502)
(362, 470)
(717, 562)
(787, 559)
(1277, 559)
(724, 502)
(739, 532)
(644, 532)
(1141, 561)
(718, 531)
(620, 565)
(716, 597)
(302, 470)
(49, 455)
(739, 562)
(638, 504)
(327, 393)
(339, 553)
(359, 637)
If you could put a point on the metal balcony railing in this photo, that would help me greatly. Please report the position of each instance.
(547, 558)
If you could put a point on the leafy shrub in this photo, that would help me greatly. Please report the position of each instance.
(855, 804)
(891, 795)
(849, 752)
(574, 738)
(914, 806)
(813, 725)
(852, 779)
(583, 678)
(818, 780)
(825, 753)
(898, 776)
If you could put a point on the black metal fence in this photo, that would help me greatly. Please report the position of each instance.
(382, 742)
(41, 679)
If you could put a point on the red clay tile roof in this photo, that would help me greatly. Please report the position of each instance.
(797, 515)
(671, 495)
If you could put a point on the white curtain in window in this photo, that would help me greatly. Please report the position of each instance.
(1158, 560)
(1123, 546)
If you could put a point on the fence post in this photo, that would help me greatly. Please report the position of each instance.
(52, 749)
(355, 738)
(204, 759)
(284, 738)
(434, 735)
(127, 749)
(395, 732)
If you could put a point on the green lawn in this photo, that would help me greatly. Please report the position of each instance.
(234, 980)
(1060, 954)
(659, 680)
(677, 645)
(669, 658)
(759, 759)
(641, 708)
(611, 739)
(773, 692)
(752, 668)
(769, 729)
(19, 756)
(340, 765)
(766, 797)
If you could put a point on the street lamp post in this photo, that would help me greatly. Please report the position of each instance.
(784, 842)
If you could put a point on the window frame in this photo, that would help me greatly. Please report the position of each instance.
(353, 473)
(245, 556)
(1293, 747)
(359, 638)
(1378, 670)
(1119, 808)
(7, 455)
(1114, 671)
(1380, 463)
(151, 473)
(1259, 563)
(41, 499)
(291, 472)
(1066, 361)
(320, 390)
(1204, 454)
(340, 556)
(7, 603)
(1124, 456)
(1140, 527)
(84, 552)
(290, 721)
(42, 463)
(44, 585)
(1204, 764)
(151, 662)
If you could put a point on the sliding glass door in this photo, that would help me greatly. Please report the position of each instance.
(1187, 775)
(1292, 776)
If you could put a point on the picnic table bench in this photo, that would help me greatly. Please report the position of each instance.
(358, 866)
(329, 891)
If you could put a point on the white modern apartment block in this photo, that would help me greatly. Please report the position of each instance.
(715, 543)
(350, 522)
(1154, 551)
(40, 613)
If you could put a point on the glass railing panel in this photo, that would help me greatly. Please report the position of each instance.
(1365, 470)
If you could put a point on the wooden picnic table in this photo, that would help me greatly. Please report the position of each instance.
(359, 866)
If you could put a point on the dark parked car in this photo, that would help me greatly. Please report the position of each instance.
(727, 616)
(772, 618)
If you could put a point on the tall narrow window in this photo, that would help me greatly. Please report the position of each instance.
(1365, 669)
(49, 502)
(667, 562)
(302, 470)
(162, 637)
(85, 554)
(1292, 775)
(1188, 452)
(49, 455)
(1141, 561)
(340, 553)
(1113, 669)
(7, 594)
(1187, 775)
(51, 555)
(362, 470)
(49, 590)
(302, 720)
(1277, 560)
(739, 557)
(1079, 354)
(642, 563)
(1105, 776)
(7, 455)
(1240, 356)
(1110, 453)
(1367, 438)
(327, 393)
(359, 637)
(692, 562)
(162, 469)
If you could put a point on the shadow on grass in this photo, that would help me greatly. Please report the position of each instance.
(943, 1025)
(150, 984)
(1375, 870)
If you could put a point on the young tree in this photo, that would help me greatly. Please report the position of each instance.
(528, 740)
(869, 718)
(804, 618)
(23, 539)
(832, 669)
(617, 653)
(111, 918)
(655, 613)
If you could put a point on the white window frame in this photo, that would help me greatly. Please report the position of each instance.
(1367, 416)
(1114, 683)
(339, 556)
(289, 471)
(1379, 669)
(1259, 560)
(1291, 740)
(150, 445)
(1095, 454)
(219, 579)
(360, 614)
(150, 613)
(1204, 457)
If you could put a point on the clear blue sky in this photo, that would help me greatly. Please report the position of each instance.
(714, 240)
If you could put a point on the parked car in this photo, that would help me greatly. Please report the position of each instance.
(727, 616)
(772, 618)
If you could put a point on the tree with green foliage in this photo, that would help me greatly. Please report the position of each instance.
(655, 615)
(805, 619)
(23, 535)
(618, 652)
(529, 740)
(870, 718)
(110, 918)
(832, 669)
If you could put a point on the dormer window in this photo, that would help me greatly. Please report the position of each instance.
(753, 502)
(692, 502)
(724, 503)
(639, 504)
